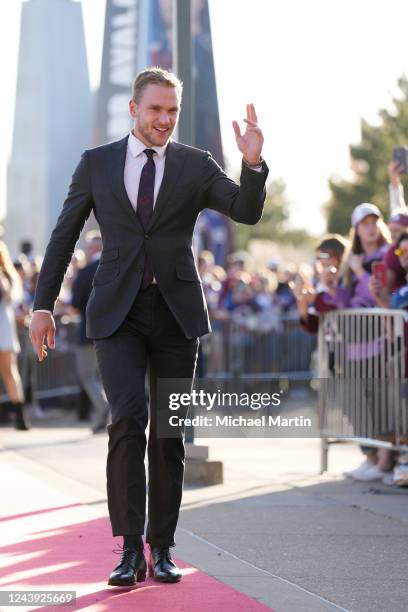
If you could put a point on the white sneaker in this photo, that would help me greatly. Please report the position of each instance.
(361, 469)
(389, 478)
(401, 474)
(36, 410)
(372, 473)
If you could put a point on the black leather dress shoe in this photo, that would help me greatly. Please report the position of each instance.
(161, 566)
(131, 569)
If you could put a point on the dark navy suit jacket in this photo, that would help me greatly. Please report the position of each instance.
(192, 181)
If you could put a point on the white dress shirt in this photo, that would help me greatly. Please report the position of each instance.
(135, 160)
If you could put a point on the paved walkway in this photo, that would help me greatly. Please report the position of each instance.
(274, 536)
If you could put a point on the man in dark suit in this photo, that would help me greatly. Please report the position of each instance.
(147, 307)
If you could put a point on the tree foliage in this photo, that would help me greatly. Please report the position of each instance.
(273, 225)
(369, 163)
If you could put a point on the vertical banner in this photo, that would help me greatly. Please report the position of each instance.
(119, 66)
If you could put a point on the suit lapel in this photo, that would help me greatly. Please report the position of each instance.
(175, 157)
(117, 169)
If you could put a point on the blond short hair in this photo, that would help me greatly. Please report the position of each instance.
(157, 76)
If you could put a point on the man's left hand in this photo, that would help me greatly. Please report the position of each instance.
(250, 143)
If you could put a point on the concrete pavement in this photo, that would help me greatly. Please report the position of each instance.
(275, 530)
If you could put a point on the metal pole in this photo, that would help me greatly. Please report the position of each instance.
(183, 67)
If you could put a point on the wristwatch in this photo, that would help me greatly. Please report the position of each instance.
(256, 166)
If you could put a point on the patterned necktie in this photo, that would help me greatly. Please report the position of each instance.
(144, 207)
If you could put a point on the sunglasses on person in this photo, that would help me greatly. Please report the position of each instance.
(399, 252)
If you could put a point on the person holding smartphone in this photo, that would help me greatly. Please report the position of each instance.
(399, 298)
(325, 294)
(395, 275)
(370, 239)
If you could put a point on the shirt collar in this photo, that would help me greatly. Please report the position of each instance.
(137, 147)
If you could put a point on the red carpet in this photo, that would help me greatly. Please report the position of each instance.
(68, 547)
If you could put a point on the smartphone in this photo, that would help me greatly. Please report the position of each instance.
(380, 272)
(400, 156)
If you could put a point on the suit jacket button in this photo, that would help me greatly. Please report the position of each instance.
(147, 236)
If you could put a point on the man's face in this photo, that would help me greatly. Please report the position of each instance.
(156, 114)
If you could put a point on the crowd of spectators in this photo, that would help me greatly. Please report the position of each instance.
(254, 299)
(367, 270)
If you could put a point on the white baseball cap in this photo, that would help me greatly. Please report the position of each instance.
(362, 211)
(273, 264)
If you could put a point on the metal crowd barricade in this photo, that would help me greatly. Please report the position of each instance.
(55, 377)
(236, 350)
(362, 356)
(256, 350)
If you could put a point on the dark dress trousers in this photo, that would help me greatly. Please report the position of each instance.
(155, 329)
